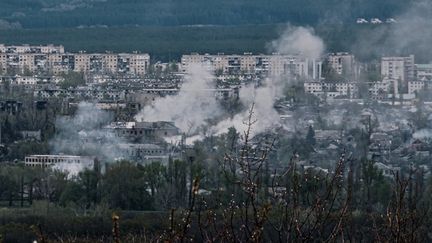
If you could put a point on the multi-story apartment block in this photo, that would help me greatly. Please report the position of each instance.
(136, 63)
(384, 88)
(377, 90)
(342, 63)
(272, 65)
(400, 68)
(416, 86)
(60, 63)
(48, 49)
(53, 59)
(332, 89)
(423, 72)
(110, 62)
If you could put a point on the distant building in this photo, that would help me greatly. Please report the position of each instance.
(343, 63)
(147, 153)
(332, 89)
(31, 135)
(381, 89)
(399, 68)
(362, 21)
(81, 93)
(375, 21)
(416, 86)
(271, 65)
(44, 161)
(31, 49)
(423, 72)
(53, 59)
(391, 21)
(144, 131)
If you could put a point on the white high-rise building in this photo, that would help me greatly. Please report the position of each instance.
(399, 68)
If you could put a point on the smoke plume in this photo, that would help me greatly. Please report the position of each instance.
(299, 41)
(191, 108)
(83, 134)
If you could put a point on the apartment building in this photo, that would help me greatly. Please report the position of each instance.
(342, 63)
(399, 68)
(147, 153)
(423, 72)
(45, 49)
(416, 86)
(271, 65)
(332, 89)
(44, 161)
(377, 90)
(143, 130)
(53, 59)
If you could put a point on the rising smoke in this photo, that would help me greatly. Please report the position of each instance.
(83, 134)
(192, 107)
(298, 41)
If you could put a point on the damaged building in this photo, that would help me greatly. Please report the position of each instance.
(143, 131)
(148, 153)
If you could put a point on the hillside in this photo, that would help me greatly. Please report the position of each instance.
(74, 13)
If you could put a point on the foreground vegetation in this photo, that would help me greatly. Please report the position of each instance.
(233, 197)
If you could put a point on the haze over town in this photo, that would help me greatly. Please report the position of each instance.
(243, 123)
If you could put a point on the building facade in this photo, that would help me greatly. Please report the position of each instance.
(271, 65)
(342, 63)
(53, 59)
(399, 68)
(44, 161)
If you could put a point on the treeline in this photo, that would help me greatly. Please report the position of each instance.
(60, 14)
(169, 43)
(163, 43)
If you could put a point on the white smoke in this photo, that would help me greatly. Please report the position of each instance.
(192, 107)
(264, 115)
(423, 134)
(83, 134)
(299, 41)
(72, 169)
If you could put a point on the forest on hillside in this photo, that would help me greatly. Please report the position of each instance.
(62, 13)
(169, 43)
